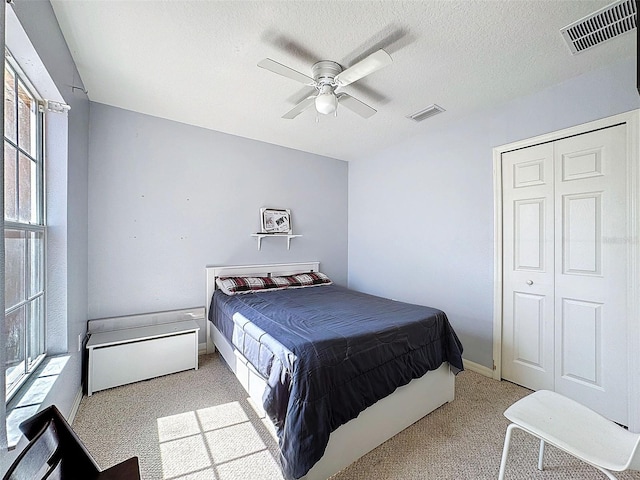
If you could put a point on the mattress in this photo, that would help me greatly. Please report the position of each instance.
(327, 353)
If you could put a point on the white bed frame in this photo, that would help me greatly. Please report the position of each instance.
(373, 426)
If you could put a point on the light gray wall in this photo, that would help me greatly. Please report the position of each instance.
(166, 199)
(421, 213)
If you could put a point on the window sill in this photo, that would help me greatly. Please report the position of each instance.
(28, 399)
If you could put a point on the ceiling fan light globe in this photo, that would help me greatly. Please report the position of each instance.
(326, 103)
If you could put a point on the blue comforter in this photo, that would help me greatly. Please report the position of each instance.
(337, 352)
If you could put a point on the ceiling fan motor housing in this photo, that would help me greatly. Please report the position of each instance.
(325, 71)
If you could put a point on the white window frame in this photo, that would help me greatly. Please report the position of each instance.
(32, 359)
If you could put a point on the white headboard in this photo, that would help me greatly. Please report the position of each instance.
(277, 269)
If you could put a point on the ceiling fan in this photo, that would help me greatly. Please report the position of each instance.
(328, 76)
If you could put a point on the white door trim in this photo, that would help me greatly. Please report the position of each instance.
(632, 121)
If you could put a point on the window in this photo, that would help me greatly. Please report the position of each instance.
(24, 227)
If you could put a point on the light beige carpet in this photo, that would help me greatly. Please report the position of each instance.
(199, 425)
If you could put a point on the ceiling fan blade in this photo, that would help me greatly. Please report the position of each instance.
(299, 108)
(285, 71)
(364, 67)
(355, 105)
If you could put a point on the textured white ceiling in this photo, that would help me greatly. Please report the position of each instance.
(195, 61)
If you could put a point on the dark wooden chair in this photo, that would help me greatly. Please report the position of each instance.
(55, 452)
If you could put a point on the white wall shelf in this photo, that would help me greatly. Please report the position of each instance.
(288, 236)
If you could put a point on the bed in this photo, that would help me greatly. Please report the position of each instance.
(275, 352)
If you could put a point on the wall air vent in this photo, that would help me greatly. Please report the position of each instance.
(600, 26)
(425, 113)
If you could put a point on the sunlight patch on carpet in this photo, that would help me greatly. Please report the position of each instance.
(216, 443)
(258, 466)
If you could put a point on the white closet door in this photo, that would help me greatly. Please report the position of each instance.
(528, 266)
(591, 270)
(565, 269)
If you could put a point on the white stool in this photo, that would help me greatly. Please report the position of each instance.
(574, 428)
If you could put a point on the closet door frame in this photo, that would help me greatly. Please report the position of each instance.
(632, 122)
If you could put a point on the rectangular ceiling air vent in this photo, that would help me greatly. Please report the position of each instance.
(600, 26)
(425, 113)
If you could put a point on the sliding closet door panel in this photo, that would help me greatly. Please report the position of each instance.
(528, 239)
(591, 270)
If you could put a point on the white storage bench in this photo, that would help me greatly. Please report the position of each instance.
(125, 356)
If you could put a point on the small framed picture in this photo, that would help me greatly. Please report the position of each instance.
(274, 220)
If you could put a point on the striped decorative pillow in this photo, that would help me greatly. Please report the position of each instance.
(308, 280)
(236, 285)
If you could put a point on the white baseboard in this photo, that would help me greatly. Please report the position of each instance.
(476, 367)
(75, 406)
